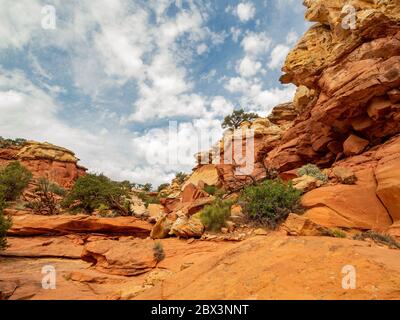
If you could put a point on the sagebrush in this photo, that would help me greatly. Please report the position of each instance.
(313, 171)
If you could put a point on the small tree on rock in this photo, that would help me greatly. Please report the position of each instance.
(234, 120)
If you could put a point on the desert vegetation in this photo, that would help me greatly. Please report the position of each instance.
(234, 120)
(313, 171)
(270, 202)
(94, 191)
(214, 216)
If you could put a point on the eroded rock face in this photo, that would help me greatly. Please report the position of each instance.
(348, 81)
(46, 160)
(35, 225)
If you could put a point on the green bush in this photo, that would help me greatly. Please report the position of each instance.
(5, 143)
(181, 177)
(14, 178)
(234, 120)
(163, 186)
(5, 224)
(92, 190)
(270, 202)
(313, 171)
(214, 216)
(158, 252)
(211, 190)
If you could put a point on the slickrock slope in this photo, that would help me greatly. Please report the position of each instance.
(45, 160)
(278, 267)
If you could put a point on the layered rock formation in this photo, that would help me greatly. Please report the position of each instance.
(45, 160)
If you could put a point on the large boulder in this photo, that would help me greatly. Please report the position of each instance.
(350, 206)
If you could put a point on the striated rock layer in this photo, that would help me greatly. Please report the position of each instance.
(45, 160)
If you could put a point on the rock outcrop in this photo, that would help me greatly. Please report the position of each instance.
(45, 160)
(35, 225)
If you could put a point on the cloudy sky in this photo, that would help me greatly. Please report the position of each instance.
(136, 87)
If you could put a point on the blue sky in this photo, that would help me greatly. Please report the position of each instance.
(112, 75)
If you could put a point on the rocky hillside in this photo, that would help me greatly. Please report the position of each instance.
(337, 143)
(44, 160)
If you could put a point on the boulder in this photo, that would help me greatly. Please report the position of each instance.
(349, 206)
(162, 228)
(120, 258)
(296, 225)
(306, 183)
(379, 107)
(191, 193)
(344, 175)
(354, 145)
(185, 227)
(207, 174)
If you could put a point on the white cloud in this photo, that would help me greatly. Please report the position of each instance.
(278, 56)
(248, 67)
(245, 11)
(256, 43)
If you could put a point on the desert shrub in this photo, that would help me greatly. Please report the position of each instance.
(270, 202)
(214, 216)
(147, 199)
(5, 143)
(5, 223)
(14, 178)
(379, 238)
(92, 190)
(48, 197)
(211, 190)
(158, 252)
(313, 171)
(163, 186)
(337, 233)
(181, 177)
(234, 120)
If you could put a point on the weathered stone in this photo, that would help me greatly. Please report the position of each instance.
(354, 145)
(345, 175)
(306, 183)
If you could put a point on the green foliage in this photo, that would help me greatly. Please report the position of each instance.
(162, 187)
(337, 233)
(181, 177)
(92, 190)
(47, 202)
(5, 223)
(234, 120)
(6, 143)
(313, 171)
(147, 199)
(270, 202)
(211, 190)
(379, 238)
(147, 187)
(158, 252)
(14, 178)
(214, 216)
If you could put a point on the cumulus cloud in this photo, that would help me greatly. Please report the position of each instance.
(278, 56)
(245, 11)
